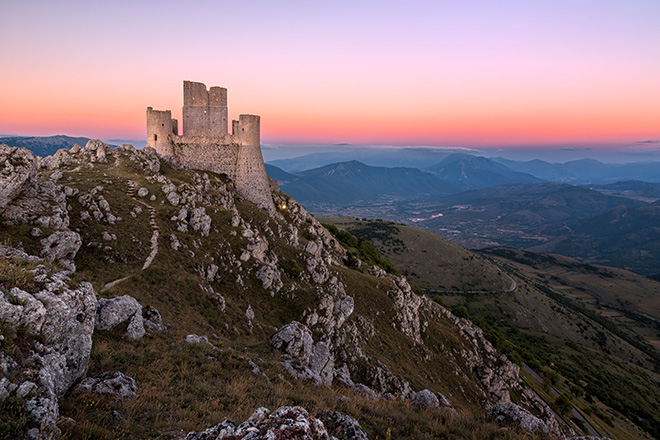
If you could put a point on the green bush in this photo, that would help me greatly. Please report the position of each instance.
(563, 404)
(461, 312)
(14, 418)
(290, 267)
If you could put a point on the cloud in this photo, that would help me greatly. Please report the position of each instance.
(648, 142)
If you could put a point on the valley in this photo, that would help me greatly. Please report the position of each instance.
(592, 325)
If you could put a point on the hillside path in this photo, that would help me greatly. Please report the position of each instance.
(154, 236)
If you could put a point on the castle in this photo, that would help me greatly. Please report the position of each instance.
(207, 145)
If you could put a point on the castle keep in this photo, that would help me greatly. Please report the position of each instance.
(206, 143)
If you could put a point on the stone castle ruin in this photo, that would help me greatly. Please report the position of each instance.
(206, 143)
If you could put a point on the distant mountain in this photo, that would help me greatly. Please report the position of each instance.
(632, 189)
(473, 172)
(279, 174)
(350, 182)
(586, 171)
(622, 236)
(418, 157)
(44, 145)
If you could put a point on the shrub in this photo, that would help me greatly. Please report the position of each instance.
(461, 312)
(563, 404)
(291, 268)
(14, 418)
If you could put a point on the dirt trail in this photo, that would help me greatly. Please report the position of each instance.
(154, 236)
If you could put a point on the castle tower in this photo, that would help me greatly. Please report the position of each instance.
(204, 111)
(251, 178)
(160, 128)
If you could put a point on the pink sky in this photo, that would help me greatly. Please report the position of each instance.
(478, 73)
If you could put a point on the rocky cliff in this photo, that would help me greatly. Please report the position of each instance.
(141, 300)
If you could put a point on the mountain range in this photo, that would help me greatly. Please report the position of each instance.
(43, 145)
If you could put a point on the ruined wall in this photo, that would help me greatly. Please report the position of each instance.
(204, 111)
(208, 153)
(160, 128)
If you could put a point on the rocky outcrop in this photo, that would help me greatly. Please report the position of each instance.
(59, 322)
(115, 386)
(287, 422)
(304, 359)
(41, 203)
(511, 413)
(17, 167)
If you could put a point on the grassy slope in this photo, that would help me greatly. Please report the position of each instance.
(189, 387)
(580, 348)
(427, 259)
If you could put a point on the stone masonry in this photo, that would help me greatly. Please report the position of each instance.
(206, 143)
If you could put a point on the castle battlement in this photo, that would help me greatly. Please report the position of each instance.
(206, 143)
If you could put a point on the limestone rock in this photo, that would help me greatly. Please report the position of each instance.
(270, 277)
(306, 360)
(115, 311)
(143, 192)
(295, 340)
(17, 167)
(364, 391)
(61, 244)
(152, 319)
(341, 426)
(425, 398)
(443, 400)
(512, 413)
(115, 385)
(292, 422)
(200, 221)
(59, 322)
(195, 339)
(41, 204)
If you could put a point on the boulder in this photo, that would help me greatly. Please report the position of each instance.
(426, 399)
(114, 311)
(195, 339)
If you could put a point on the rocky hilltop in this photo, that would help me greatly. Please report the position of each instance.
(142, 300)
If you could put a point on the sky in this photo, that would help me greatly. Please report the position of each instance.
(476, 74)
